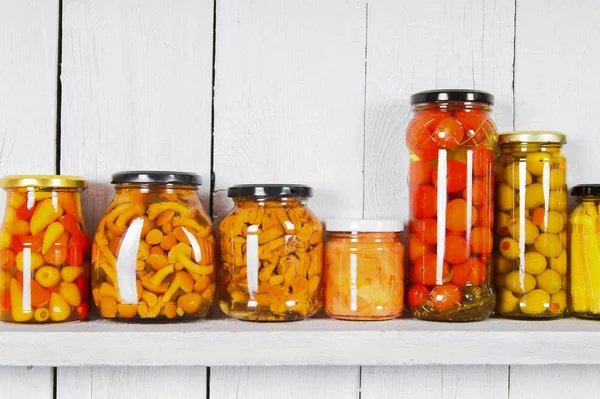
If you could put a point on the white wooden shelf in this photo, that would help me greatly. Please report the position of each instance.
(318, 341)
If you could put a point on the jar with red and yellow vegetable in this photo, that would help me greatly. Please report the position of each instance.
(271, 254)
(530, 259)
(153, 254)
(44, 250)
(451, 140)
(364, 269)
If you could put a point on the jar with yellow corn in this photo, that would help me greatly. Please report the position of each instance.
(153, 254)
(530, 227)
(44, 250)
(271, 252)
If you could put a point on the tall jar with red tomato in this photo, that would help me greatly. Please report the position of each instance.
(44, 250)
(451, 140)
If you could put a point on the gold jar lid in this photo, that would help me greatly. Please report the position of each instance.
(43, 181)
(532, 137)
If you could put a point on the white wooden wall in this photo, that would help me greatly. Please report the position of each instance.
(311, 91)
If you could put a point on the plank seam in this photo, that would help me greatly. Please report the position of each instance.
(212, 114)
(59, 87)
(514, 110)
(365, 107)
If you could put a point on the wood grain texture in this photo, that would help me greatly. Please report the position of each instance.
(434, 382)
(415, 46)
(131, 382)
(26, 382)
(556, 78)
(284, 382)
(554, 382)
(289, 99)
(29, 48)
(136, 91)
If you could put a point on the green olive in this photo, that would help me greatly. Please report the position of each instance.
(507, 301)
(535, 263)
(559, 264)
(505, 197)
(501, 223)
(503, 265)
(548, 245)
(536, 161)
(558, 302)
(518, 226)
(509, 248)
(549, 280)
(518, 282)
(534, 196)
(558, 200)
(535, 302)
(554, 222)
(517, 212)
(558, 179)
(512, 175)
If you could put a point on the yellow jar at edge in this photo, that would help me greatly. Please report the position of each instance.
(530, 225)
(153, 254)
(271, 254)
(584, 266)
(44, 250)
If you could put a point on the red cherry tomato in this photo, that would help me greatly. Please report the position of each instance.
(84, 287)
(485, 215)
(445, 297)
(417, 295)
(456, 249)
(481, 192)
(24, 213)
(425, 230)
(482, 240)
(424, 201)
(483, 160)
(82, 311)
(420, 172)
(449, 133)
(456, 176)
(424, 271)
(416, 248)
(471, 272)
(5, 303)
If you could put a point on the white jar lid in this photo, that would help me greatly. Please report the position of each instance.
(364, 225)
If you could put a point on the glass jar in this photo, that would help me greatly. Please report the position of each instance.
(530, 230)
(364, 269)
(451, 140)
(44, 250)
(271, 254)
(584, 247)
(153, 254)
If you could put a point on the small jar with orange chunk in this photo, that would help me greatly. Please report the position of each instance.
(44, 250)
(153, 254)
(451, 139)
(271, 254)
(530, 260)
(364, 269)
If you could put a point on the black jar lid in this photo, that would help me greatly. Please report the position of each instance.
(270, 190)
(583, 190)
(431, 96)
(156, 177)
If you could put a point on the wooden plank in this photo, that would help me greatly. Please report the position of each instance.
(136, 91)
(130, 382)
(137, 95)
(556, 77)
(289, 99)
(26, 382)
(415, 46)
(284, 382)
(435, 382)
(227, 342)
(554, 382)
(29, 48)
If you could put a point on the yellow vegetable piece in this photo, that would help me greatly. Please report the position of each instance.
(154, 237)
(190, 303)
(142, 309)
(150, 298)
(194, 267)
(59, 308)
(19, 227)
(154, 210)
(41, 315)
(70, 293)
(45, 213)
(70, 273)
(179, 249)
(519, 283)
(16, 300)
(35, 261)
(53, 232)
(170, 310)
(108, 307)
(107, 290)
(535, 302)
(558, 200)
(579, 265)
(16, 200)
(160, 275)
(127, 310)
(47, 276)
(5, 238)
(164, 217)
(185, 281)
(157, 262)
(535, 263)
(558, 178)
